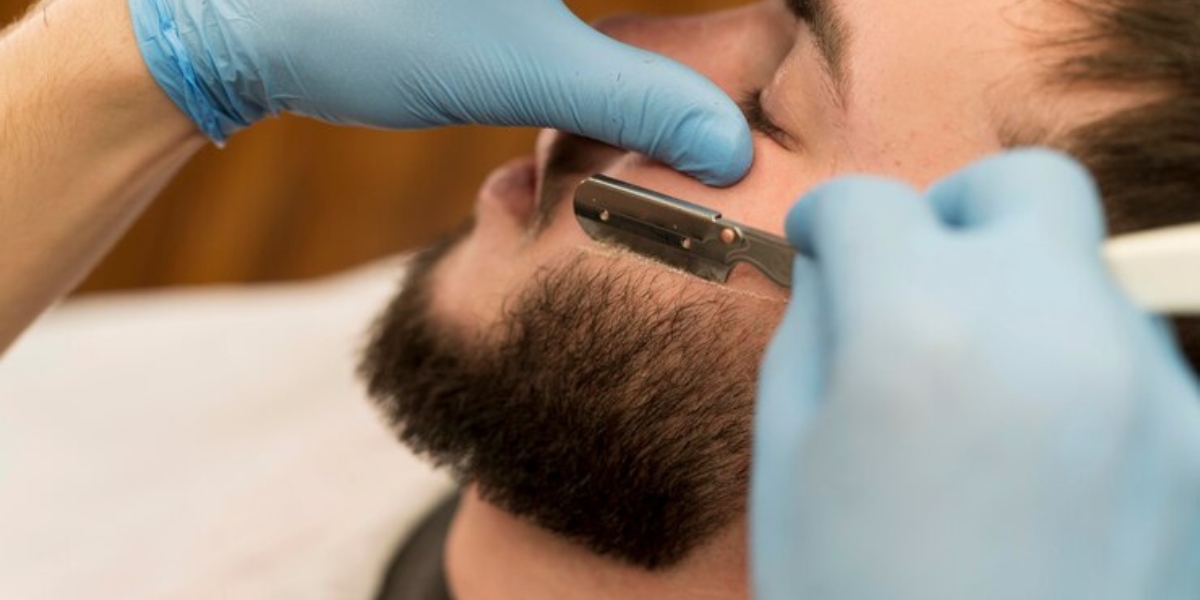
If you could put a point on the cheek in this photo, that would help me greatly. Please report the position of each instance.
(470, 284)
(484, 273)
(916, 139)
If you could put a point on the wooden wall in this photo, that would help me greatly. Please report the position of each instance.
(294, 198)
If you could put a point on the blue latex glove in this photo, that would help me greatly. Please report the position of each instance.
(407, 64)
(960, 404)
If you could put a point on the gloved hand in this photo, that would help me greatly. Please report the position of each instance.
(961, 404)
(407, 64)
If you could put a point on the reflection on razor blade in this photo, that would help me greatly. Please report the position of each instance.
(679, 233)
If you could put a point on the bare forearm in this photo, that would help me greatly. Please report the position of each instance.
(86, 140)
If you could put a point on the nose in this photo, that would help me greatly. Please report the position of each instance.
(738, 49)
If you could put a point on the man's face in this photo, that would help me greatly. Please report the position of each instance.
(924, 87)
(608, 398)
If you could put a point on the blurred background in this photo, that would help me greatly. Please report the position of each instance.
(291, 199)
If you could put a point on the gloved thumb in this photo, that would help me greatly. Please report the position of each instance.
(592, 85)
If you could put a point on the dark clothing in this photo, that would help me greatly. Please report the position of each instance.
(417, 571)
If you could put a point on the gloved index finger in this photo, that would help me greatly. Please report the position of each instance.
(592, 85)
(858, 218)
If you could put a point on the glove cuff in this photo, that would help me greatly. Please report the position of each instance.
(163, 48)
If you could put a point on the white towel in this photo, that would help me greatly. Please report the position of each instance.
(208, 443)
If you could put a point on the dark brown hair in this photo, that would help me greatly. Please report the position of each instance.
(604, 413)
(1146, 158)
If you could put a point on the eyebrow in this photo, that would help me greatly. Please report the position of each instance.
(829, 34)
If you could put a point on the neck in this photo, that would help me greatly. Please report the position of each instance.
(492, 555)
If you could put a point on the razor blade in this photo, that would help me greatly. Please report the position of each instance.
(676, 232)
(1155, 268)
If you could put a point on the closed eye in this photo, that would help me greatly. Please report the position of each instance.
(803, 9)
(761, 121)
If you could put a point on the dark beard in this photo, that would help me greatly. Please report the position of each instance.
(606, 413)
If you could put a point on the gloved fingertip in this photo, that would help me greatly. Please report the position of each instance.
(1018, 186)
(854, 195)
(1038, 167)
(1040, 163)
(796, 222)
(721, 151)
(642, 101)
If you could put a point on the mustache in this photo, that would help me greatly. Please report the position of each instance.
(569, 160)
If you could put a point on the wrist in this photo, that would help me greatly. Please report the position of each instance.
(88, 139)
(184, 47)
(81, 58)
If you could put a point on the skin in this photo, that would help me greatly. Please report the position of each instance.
(88, 141)
(930, 86)
(916, 115)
